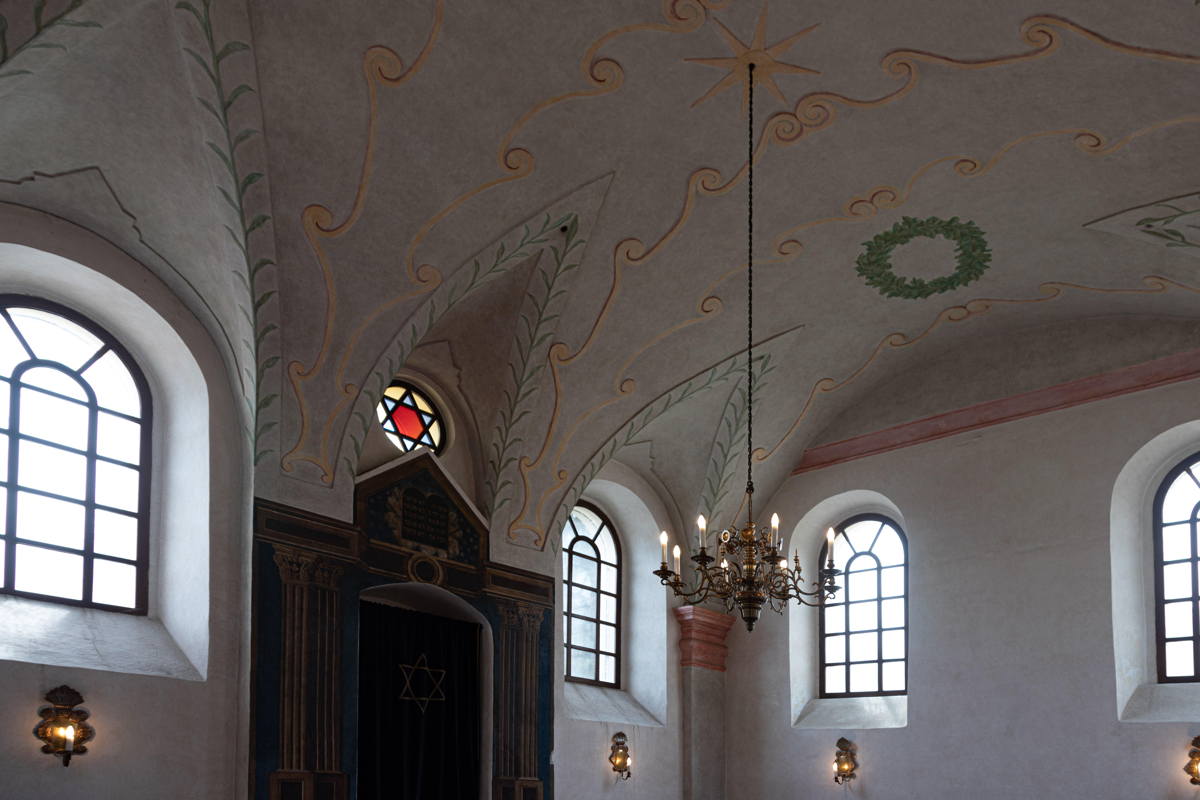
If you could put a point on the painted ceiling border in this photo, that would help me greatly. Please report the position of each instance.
(1147, 375)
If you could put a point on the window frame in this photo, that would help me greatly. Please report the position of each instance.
(1160, 601)
(9, 541)
(567, 616)
(438, 414)
(840, 530)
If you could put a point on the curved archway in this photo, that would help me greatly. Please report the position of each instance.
(1140, 698)
(809, 709)
(429, 599)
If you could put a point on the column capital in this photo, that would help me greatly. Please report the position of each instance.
(702, 637)
(295, 565)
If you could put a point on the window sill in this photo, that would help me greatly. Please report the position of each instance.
(1163, 702)
(37, 632)
(859, 713)
(583, 701)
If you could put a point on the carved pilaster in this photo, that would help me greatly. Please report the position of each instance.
(520, 628)
(309, 694)
(295, 570)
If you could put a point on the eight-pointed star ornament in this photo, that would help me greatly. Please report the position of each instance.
(764, 57)
(428, 681)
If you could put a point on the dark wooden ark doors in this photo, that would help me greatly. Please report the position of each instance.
(419, 710)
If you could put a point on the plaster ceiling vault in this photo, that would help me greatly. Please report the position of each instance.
(554, 193)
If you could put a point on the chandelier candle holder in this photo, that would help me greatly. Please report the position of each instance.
(750, 569)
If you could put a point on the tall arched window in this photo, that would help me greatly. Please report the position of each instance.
(1176, 561)
(591, 598)
(864, 633)
(75, 433)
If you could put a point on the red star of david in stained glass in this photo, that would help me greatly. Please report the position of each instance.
(409, 419)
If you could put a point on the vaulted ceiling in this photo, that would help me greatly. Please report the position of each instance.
(541, 206)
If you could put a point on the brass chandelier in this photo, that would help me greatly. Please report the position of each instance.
(753, 569)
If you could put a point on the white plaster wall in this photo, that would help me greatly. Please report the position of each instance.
(1012, 685)
(156, 737)
(647, 708)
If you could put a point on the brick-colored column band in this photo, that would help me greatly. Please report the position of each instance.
(702, 637)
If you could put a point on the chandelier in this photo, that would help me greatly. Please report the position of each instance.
(750, 569)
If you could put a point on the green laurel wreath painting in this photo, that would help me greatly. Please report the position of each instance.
(972, 257)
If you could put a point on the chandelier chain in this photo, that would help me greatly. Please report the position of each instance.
(750, 298)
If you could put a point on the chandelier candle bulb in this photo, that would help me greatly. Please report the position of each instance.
(702, 526)
(662, 539)
(677, 565)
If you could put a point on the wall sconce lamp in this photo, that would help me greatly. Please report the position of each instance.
(845, 762)
(619, 757)
(1193, 765)
(64, 728)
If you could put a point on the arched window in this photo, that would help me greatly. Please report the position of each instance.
(1176, 561)
(75, 435)
(864, 632)
(591, 598)
(410, 419)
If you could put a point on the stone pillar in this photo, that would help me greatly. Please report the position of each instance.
(702, 654)
(517, 702)
(310, 713)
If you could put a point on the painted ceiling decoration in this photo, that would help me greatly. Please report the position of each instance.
(1173, 222)
(556, 218)
(972, 257)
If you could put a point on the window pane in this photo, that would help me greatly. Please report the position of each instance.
(893, 581)
(12, 352)
(52, 470)
(888, 547)
(3, 551)
(835, 649)
(864, 646)
(49, 572)
(53, 419)
(608, 578)
(864, 616)
(116, 535)
(893, 613)
(893, 644)
(116, 486)
(835, 680)
(608, 638)
(586, 523)
(608, 669)
(841, 552)
(53, 338)
(1177, 619)
(43, 519)
(117, 437)
(3, 457)
(608, 551)
(862, 585)
(53, 380)
(864, 677)
(893, 676)
(861, 535)
(1177, 581)
(114, 584)
(583, 571)
(5, 389)
(583, 602)
(1180, 661)
(114, 387)
(583, 665)
(583, 633)
(608, 608)
(861, 562)
(1180, 499)
(1177, 541)
(835, 619)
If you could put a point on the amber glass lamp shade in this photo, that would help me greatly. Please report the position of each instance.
(619, 757)
(845, 762)
(1192, 768)
(63, 729)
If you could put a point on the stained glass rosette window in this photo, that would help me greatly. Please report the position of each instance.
(409, 419)
(75, 441)
(864, 630)
(591, 598)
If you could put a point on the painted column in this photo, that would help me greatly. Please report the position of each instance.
(702, 654)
